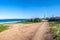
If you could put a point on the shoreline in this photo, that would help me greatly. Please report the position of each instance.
(9, 22)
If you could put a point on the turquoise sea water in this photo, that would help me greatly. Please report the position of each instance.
(11, 20)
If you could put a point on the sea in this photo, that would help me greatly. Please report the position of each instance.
(11, 20)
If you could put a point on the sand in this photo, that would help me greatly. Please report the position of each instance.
(35, 31)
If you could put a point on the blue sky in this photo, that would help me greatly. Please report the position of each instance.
(10, 9)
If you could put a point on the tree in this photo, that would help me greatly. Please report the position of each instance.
(34, 20)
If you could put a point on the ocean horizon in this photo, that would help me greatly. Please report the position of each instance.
(11, 20)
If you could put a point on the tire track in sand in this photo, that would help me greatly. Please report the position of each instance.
(43, 33)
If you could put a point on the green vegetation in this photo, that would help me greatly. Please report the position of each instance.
(26, 22)
(53, 23)
(56, 19)
(33, 20)
(3, 27)
(55, 29)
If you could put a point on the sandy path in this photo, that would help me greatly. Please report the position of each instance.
(43, 33)
(36, 31)
(20, 32)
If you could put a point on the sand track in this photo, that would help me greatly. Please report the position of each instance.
(36, 31)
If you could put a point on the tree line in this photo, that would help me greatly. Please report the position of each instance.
(34, 20)
(54, 19)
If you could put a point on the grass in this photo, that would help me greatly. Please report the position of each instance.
(27, 22)
(55, 29)
(3, 27)
(53, 23)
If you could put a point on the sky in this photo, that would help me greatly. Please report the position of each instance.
(24, 9)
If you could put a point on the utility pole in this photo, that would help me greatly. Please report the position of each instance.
(44, 15)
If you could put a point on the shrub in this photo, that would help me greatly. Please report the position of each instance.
(57, 19)
(55, 29)
(34, 20)
(2, 28)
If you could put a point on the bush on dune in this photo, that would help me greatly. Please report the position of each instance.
(34, 20)
(3, 27)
